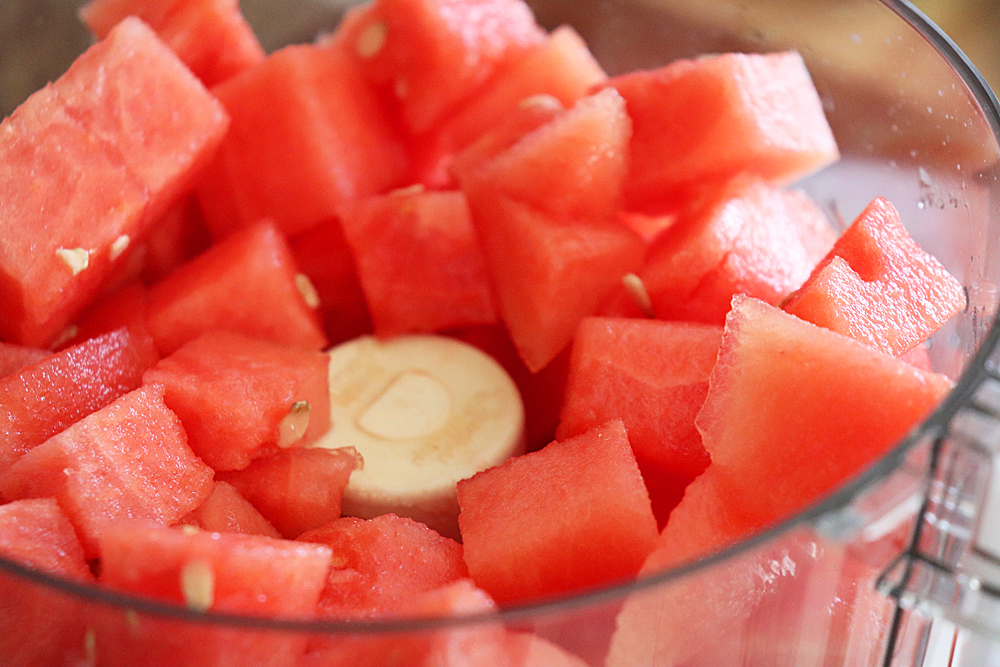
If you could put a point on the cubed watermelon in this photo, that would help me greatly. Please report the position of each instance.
(127, 460)
(537, 261)
(210, 36)
(205, 571)
(653, 376)
(62, 388)
(297, 489)
(143, 125)
(561, 67)
(227, 511)
(324, 256)
(571, 516)
(39, 625)
(711, 118)
(14, 358)
(879, 286)
(431, 55)
(794, 410)
(307, 134)
(572, 167)
(248, 283)
(380, 564)
(746, 237)
(419, 261)
(242, 398)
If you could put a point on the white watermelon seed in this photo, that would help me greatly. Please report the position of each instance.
(77, 259)
(293, 425)
(198, 585)
(307, 290)
(372, 39)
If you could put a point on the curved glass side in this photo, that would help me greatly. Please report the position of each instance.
(855, 580)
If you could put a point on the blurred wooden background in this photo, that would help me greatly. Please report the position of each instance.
(975, 26)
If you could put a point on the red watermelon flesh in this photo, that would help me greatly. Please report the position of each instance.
(572, 167)
(747, 238)
(127, 460)
(652, 375)
(242, 398)
(537, 261)
(132, 92)
(227, 511)
(381, 564)
(561, 67)
(324, 256)
(527, 116)
(296, 489)
(229, 573)
(14, 357)
(877, 285)
(211, 36)
(571, 516)
(99, 114)
(446, 647)
(39, 626)
(789, 414)
(322, 137)
(431, 55)
(244, 284)
(712, 118)
(179, 235)
(419, 261)
(62, 388)
(124, 307)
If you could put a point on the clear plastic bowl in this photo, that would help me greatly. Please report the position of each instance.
(882, 572)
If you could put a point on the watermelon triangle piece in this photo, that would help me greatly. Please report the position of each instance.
(879, 286)
(547, 273)
(572, 167)
(129, 459)
(790, 413)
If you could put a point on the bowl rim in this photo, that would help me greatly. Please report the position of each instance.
(934, 426)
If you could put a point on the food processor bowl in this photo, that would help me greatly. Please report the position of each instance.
(900, 566)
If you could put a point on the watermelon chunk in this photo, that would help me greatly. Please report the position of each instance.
(13, 358)
(382, 563)
(537, 261)
(572, 167)
(227, 511)
(307, 134)
(210, 36)
(570, 516)
(143, 136)
(324, 256)
(789, 414)
(297, 489)
(127, 460)
(654, 377)
(204, 571)
(746, 238)
(529, 115)
(561, 66)
(246, 284)
(122, 308)
(39, 625)
(419, 261)
(242, 398)
(878, 286)
(712, 118)
(65, 387)
(431, 55)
